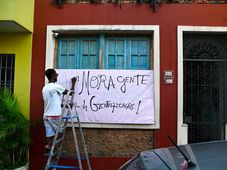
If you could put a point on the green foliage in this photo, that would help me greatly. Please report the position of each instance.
(14, 133)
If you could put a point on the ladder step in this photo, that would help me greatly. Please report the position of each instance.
(58, 140)
(67, 157)
(63, 167)
(68, 117)
(48, 154)
(72, 157)
(63, 128)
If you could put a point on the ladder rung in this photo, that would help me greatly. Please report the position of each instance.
(72, 157)
(48, 154)
(63, 167)
(68, 117)
(59, 140)
(63, 128)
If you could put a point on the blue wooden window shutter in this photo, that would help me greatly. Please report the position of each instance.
(89, 54)
(78, 53)
(118, 53)
(67, 51)
(140, 53)
(128, 53)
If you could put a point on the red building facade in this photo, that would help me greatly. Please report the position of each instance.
(173, 22)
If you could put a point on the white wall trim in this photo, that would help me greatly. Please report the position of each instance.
(182, 129)
(52, 30)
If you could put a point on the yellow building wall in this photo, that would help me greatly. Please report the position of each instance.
(20, 44)
(20, 11)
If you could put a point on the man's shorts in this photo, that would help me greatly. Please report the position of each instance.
(51, 125)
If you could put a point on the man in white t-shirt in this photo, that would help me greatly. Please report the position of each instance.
(52, 96)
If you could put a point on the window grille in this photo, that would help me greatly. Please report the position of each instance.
(205, 82)
(7, 62)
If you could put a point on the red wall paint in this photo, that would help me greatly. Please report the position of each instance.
(168, 17)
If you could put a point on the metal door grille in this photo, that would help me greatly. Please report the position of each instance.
(7, 62)
(204, 86)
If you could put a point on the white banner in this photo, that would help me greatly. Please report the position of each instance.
(112, 96)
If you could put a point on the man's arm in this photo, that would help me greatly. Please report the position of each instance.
(73, 80)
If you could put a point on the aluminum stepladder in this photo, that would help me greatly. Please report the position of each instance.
(56, 149)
